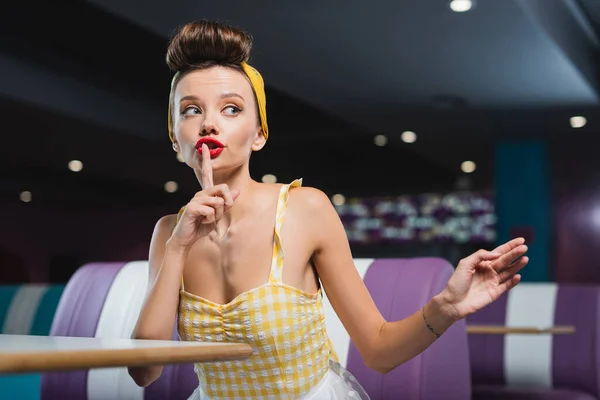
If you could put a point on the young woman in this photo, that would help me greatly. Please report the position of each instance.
(244, 261)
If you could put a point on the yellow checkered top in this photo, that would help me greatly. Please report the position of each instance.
(284, 325)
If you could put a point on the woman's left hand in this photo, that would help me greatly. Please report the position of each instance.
(482, 277)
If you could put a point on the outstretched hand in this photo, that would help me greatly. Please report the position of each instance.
(482, 277)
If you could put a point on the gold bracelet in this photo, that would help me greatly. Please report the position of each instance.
(437, 335)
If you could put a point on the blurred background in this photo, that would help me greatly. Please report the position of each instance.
(437, 127)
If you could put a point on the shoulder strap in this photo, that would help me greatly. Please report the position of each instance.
(277, 259)
(181, 210)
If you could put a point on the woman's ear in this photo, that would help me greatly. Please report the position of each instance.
(176, 147)
(259, 141)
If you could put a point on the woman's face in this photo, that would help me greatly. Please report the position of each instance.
(216, 106)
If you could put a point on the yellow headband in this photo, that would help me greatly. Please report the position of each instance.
(258, 87)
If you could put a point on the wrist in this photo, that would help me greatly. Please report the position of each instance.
(438, 315)
(444, 306)
(176, 248)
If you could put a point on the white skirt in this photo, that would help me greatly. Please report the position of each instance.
(337, 384)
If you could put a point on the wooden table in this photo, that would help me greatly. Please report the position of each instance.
(26, 354)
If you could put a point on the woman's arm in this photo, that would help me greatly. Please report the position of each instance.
(385, 345)
(157, 316)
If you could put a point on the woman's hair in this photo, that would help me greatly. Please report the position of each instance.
(204, 44)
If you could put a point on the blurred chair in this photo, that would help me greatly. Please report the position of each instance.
(104, 299)
(400, 287)
(26, 309)
(539, 367)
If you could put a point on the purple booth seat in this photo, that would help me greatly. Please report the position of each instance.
(104, 300)
(400, 287)
(540, 367)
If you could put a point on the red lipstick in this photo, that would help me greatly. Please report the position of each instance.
(214, 146)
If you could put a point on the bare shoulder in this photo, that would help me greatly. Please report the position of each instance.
(317, 218)
(305, 203)
(313, 212)
(162, 232)
(165, 224)
(306, 199)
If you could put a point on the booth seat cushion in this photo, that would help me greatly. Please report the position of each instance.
(26, 309)
(483, 392)
(544, 362)
(104, 300)
(400, 287)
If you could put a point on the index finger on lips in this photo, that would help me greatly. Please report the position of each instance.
(207, 173)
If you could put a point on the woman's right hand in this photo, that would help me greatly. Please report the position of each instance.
(207, 207)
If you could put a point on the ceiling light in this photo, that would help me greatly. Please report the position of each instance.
(578, 122)
(75, 165)
(338, 199)
(409, 137)
(180, 158)
(380, 140)
(269, 178)
(25, 196)
(467, 167)
(171, 187)
(461, 5)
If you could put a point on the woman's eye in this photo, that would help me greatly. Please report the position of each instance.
(191, 111)
(232, 110)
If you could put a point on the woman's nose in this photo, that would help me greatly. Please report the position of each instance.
(209, 128)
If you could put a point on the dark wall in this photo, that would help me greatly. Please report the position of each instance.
(577, 213)
(40, 244)
(108, 211)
